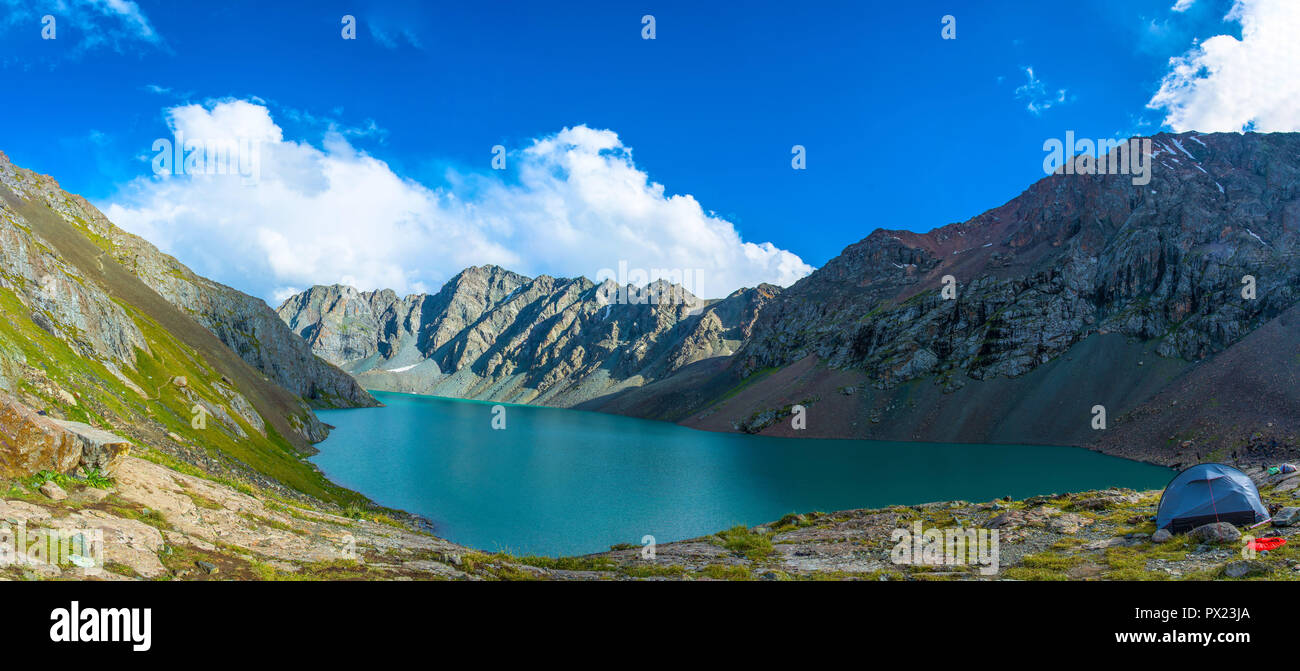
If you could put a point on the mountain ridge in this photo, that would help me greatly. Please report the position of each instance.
(1085, 290)
(101, 330)
(1139, 278)
(493, 334)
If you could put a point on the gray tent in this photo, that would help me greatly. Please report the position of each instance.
(1209, 493)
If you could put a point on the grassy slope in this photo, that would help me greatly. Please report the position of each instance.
(179, 346)
(105, 400)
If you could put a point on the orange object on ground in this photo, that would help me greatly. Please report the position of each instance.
(1271, 543)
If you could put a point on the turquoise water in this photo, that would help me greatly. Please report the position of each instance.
(563, 482)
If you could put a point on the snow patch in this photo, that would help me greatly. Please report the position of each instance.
(1261, 240)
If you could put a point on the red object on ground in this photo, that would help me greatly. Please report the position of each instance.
(1271, 543)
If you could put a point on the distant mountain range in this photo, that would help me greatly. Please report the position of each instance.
(1084, 291)
(493, 334)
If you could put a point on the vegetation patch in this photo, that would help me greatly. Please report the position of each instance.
(745, 543)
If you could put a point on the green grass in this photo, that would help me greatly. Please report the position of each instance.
(745, 543)
(108, 402)
(42, 477)
(98, 480)
(570, 563)
(724, 572)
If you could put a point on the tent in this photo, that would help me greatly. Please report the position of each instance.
(1209, 493)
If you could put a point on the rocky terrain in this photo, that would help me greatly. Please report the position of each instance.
(162, 524)
(492, 334)
(1102, 535)
(1085, 290)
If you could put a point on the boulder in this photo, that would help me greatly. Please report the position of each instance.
(31, 442)
(1068, 523)
(1218, 532)
(100, 449)
(1286, 517)
(90, 495)
(1161, 536)
(1243, 568)
(1008, 520)
(53, 491)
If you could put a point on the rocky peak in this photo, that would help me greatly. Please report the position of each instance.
(494, 334)
(1072, 255)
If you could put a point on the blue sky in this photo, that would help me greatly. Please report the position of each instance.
(902, 128)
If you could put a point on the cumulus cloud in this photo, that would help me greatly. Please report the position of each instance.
(1229, 84)
(571, 203)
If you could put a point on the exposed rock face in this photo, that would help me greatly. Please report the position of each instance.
(1072, 256)
(30, 442)
(245, 324)
(103, 330)
(1084, 290)
(33, 443)
(493, 334)
(100, 450)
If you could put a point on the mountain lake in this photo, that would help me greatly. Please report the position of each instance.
(561, 482)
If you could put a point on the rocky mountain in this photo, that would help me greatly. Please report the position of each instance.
(243, 323)
(493, 334)
(1085, 290)
(104, 331)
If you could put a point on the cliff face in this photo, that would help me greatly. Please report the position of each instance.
(1073, 256)
(493, 334)
(245, 324)
(102, 328)
(1084, 290)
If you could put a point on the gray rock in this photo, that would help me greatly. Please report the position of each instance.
(1244, 567)
(1217, 532)
(100, 449)
(53, 491)
(1008, 520)
(91, 494)
(207, 567)
(493, 334)
(1161, 536)
(1286, 516)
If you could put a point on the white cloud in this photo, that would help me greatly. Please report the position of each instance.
(1183, 5)
(1034, 92)
(1229, 84)
(571, 203)
(114, 24)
